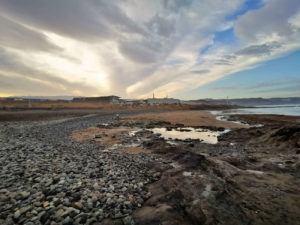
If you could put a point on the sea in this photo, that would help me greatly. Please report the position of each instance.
(290, 110)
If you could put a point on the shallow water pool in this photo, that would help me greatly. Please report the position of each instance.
(204, 135)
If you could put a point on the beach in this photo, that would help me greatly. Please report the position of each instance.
(96, 168)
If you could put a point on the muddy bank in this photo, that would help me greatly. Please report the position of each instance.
(266, 119)
(247, 178)
(225, 183)
(279, 132)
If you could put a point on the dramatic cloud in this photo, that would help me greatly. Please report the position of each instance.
(17, 36)
(15, 75)
(272, 21)
(134, 48)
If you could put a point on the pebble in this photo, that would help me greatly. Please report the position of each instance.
(53, 179)
(78, 205)
(128, 220)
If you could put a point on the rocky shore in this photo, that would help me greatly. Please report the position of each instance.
(48, 178)
(96, 170)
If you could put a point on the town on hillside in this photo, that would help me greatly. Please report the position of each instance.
(112, 99)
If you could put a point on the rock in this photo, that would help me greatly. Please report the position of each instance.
(4, 198)
(128, 220)
(78, 205)
(57, 202)
(45, 204)
(156, 175)
(118, 215)
(29, 215)
(17, 214)
(99, 135)
(91, 221)
(67, 221)
(25, 209)
(81, 218)
(128, 204)
(62, 174)
(29, 223)
(76, 196)
(23, 195)
(111, 188)
(44, 216)
(90, 204)
(59, 213)
(71, 212)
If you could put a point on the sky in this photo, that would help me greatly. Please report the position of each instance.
(188, 49)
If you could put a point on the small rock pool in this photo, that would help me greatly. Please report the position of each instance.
(204, 135)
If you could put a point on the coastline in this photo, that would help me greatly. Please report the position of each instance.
(129, 174)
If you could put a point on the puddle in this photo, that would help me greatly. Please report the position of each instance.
(224, 118)
(204, 135)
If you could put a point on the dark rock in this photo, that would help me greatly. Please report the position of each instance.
(44, 216)
(128, 220)
(67, 221)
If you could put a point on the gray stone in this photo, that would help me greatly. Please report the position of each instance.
(17, 214)
(23, 195)
(25, 209)
(67, 221)
(29, 223)
(128, 220)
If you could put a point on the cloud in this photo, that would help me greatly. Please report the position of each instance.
(265, 86)
(199, 71)
(137, 52)
(176, 5)
(272, 20)
(17, 36)
(134, 48)
(92, 21)
(289, 89)
(161, 26)
(15, 74)
(258, 49)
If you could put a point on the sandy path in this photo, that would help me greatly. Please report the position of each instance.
(188, 118)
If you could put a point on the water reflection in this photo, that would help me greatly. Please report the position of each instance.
(291, 110)
(206, 136)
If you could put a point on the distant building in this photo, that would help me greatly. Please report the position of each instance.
(112, 99)
(134, 102)
(162, 101)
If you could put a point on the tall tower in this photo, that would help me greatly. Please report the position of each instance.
(153, 96)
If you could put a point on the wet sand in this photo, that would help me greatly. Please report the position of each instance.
(191, 118)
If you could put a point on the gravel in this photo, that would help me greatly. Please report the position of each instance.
(48, 178)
